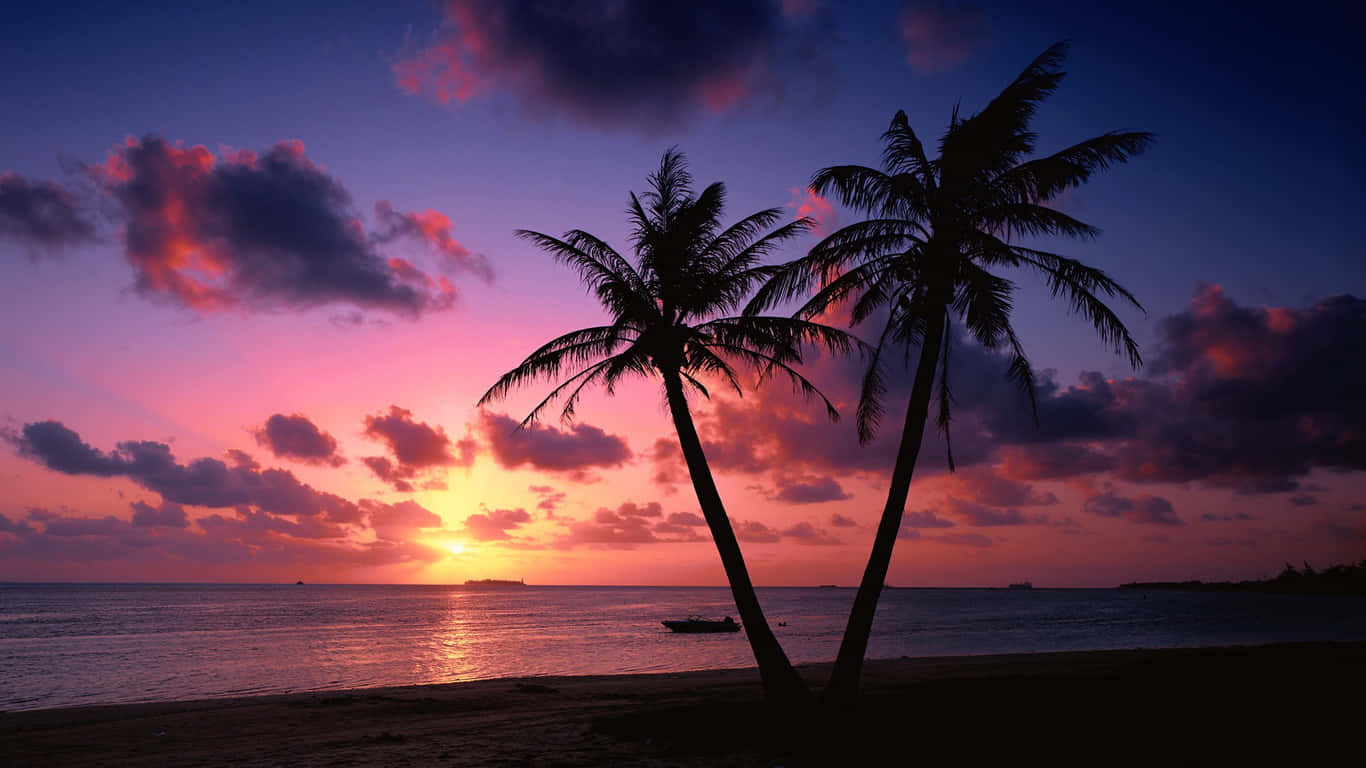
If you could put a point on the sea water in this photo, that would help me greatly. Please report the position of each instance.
(82, 644)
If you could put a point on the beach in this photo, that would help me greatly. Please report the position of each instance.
(1197, 706)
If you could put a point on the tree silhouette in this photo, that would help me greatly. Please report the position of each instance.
(935, 229)
(669, 319)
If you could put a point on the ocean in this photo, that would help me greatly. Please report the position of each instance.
(83, 644)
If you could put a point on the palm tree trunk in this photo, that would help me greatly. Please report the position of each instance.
(782, 685)
(842, 690)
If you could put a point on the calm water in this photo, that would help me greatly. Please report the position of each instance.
(63, 645)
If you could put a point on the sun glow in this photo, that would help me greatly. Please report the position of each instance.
(456, 547)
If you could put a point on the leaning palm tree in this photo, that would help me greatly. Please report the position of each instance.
(937, 229)
(669, 320)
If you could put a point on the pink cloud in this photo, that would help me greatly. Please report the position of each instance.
(939, 38)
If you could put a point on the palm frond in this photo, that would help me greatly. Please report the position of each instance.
(1040, 180)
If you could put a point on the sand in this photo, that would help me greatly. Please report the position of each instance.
(1295, 704)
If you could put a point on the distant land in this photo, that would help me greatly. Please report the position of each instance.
(1337, 580)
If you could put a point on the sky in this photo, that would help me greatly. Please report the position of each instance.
(260, 265)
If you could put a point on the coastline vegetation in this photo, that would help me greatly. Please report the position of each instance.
(1348, 579)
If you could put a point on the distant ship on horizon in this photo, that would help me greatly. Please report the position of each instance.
(494, 583)
(1022, 585)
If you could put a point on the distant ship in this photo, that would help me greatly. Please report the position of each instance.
(494, 583)
(299, 583)
(1022, 585)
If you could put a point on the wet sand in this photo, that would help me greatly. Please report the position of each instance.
(1266, 705)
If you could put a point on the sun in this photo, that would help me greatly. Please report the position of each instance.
(456, 547)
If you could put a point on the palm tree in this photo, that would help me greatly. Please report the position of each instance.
(669, 320)
(935, 229)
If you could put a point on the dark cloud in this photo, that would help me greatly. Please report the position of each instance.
(41, 215)
(628, 526)
(806, 533)
(1149, 510)
(954, 539)
(808, 490)
(1210, 517)
(757, 532)
(985, 486)
(613, 64)
(203, 482)
(254, 231)
(1246, 398)
(984, 516)
(495, 524)
(296, 437)
(579, 448)
(840, 521)
(939, 37)
(925, 518)
(687, 519)
(419, 450)
(167, 513)
(264, 543)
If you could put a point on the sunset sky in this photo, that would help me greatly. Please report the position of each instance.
(259, 266)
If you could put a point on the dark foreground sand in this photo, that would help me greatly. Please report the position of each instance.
(1287, 705)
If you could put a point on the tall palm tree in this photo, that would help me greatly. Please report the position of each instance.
(669, 319)
(936, 230)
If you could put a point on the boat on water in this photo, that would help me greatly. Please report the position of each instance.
(1022, 585)
(494, 583)
(697, 625)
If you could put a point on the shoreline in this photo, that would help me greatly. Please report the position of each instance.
(691, 718)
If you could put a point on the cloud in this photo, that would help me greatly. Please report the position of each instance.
(925, 518)
(42, 215)
(756, 532)
(985, 486)
(840, 521)
(401, 521)
(612, 64)
(418, 449)
(203, 482)
(939, 38)
(1148, 510)
(807, 203)
(550, 498)
(1210, 517)
(434, 229)
(809, 490)
(296, 437)
(267, 545)
(628, 526)
(806, 533)
(494, 525)
(1245, 398)
(252, 231)
(984, 516)
(579, 448)
(167, 513)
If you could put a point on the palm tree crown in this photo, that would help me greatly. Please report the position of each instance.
(938, 226)
(668, 309)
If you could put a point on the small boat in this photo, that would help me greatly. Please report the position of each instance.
(697, 624)
(299, 583)
(829, 586)
(1022, 585)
